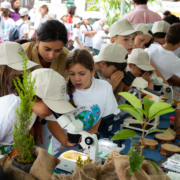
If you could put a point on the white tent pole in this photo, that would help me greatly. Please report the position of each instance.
(122, 8)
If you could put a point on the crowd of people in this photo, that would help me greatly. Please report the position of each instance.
(141, 43)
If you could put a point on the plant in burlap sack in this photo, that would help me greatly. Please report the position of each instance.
(144, 115)
(26, 91)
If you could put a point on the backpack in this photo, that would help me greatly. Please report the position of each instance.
(14, 33)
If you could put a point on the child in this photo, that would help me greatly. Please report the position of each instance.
(23, 27)
(110, 63)
(159, 30)
(88, 32)
(64, 18)
(11, 63)
(123, 33)
(98, 25)
(77, 34)
(164, 59)
(98, 41)
(93, 98)
(143, 40)
(1, 28)
(8, 22)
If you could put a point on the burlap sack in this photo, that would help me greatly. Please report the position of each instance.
(92, 170)
(61, 177)
(14, 173)
(44, 165)
(122, 166)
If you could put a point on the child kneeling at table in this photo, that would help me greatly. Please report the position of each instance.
(93, 98)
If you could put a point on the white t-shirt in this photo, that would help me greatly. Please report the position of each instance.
(165, 61)
(92, 104)
(24, 29)
(8, 25)
(1, 28)
(177, 52)
(77, 33)
(8, 106)
(98, 41)
(68, 28)
(97, 26)
(87, 40)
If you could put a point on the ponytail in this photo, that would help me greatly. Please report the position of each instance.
(70, 91)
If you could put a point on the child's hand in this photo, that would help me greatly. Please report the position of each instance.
(146, 76)
(116, 78)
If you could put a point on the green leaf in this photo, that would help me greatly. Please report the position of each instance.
(157, 130)
(135, 102)
(130, 151)
(131, 111)
(124, 134)
(161, 112)
(136, 161)
(156, 107)
(130, 171)
(155, 165)
(148, 102)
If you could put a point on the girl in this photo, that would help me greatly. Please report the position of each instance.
(88, 32)
(143, 40)
(72, 12)
(48, 47)
(64, 18)
(98, 41)
(48, 100)
(8, 22)
(85, 93)
(77, 34)
(41, 17)
(15, 14)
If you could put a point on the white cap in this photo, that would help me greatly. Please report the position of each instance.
(52, 90)
(143, 28)
(43, 3)
(122, 27)
(160, 26)
(141, 59)
(106, 27)
(9, 55)
(87, 16)
(112, 52)
(63, 13)
(7, 5)
(52, 15)
(76, 20)
(104, 19)
(23, 11)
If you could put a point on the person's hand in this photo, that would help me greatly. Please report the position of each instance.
(68, 144)
(38, 132)
(116, 78)
(82, 45)
(146, 76)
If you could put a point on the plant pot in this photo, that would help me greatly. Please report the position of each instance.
(23, 167)
(2, 174)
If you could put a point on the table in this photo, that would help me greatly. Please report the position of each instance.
(150, 154)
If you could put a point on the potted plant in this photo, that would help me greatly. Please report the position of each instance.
(23, 145)
(144, 115)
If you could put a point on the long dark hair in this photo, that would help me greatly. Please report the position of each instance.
(12, 5)
(80, 56)
(71, 10)
(52, 30)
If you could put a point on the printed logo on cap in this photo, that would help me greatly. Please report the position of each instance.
(147, 57)
(63, 89)
(129, 23)
(21, 50)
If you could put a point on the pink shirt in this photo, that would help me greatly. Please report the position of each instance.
(142, 14)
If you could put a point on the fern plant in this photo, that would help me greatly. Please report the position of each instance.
(26, 90)
(144, 115)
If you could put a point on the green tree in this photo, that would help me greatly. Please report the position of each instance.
(111, 8)
(26, 90)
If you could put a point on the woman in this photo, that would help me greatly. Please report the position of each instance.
(15, 15)
(48, 48)
(41, 17)
(72, 12)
